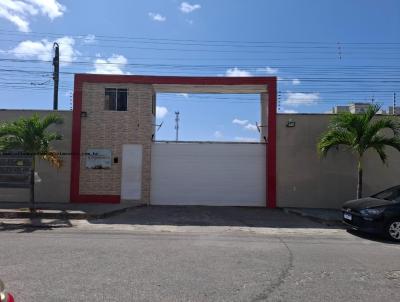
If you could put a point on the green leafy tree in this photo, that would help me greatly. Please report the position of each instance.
(30, 135)
(360, 132)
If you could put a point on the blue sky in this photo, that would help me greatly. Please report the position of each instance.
(323, 52)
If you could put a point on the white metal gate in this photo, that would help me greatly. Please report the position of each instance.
(217, 174)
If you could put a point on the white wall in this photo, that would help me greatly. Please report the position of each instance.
(219, 174)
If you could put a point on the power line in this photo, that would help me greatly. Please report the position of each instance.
(97, 36)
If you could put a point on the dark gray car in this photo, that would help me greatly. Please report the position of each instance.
(379, 213)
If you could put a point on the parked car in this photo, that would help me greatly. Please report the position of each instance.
(379, 213)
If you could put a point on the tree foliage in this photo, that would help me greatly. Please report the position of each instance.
(360, 132)
(30, 135)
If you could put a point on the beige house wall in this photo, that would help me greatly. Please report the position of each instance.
(55, 183)
(105, 129)
(305, 180)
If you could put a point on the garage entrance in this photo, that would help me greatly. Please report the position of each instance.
(217, 173)
(208, 174)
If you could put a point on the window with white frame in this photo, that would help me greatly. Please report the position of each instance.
(116, 99)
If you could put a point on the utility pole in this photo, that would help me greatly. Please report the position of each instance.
(394, 103)
(177, 124)
(56, 74)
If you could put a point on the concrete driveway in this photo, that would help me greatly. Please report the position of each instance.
(210, 216)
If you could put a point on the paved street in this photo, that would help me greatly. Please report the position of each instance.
(91, 262)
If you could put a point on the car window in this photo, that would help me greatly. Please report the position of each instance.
(389, 194)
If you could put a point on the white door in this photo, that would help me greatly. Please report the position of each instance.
(131, 184)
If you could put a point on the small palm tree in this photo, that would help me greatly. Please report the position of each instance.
(30, 136)
(360, 132)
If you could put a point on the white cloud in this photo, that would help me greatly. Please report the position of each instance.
(268, 70)
(246, 139)
(245, 124)
(218, 134)
(51, 8)
(184, 95)
(161, 111)
(299, 98)
(19, 12)
(240, 122)
(43, 50)
(112, 65)
(236, 72)
(296, 82)
(157, 17)
(89, 39)
(188, 8)
(251, 127)
(289, 111)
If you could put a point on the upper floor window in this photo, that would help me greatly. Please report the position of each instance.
(116, 99)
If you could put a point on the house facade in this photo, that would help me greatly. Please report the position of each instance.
(115, 158)
(110, 154)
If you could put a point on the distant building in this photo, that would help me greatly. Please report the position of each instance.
(338, 109)
(356, 108)
(359, 107)
(396, 110)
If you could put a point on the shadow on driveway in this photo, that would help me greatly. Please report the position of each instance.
(30, 225)
(211, 216)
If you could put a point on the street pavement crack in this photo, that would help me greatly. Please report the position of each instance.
(281, 278)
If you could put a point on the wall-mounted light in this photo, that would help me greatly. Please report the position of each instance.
(291, 123)
(83, 114)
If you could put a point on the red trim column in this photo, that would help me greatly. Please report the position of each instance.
(75, 197)
(271, 147)
(76, 140)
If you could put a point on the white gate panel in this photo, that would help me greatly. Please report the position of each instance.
(131, 184)
(217, 174)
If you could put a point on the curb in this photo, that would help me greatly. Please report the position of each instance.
(62, 214)
(39, 225)
(45, 215)
(326, 222)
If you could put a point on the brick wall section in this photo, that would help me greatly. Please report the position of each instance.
(110, 130)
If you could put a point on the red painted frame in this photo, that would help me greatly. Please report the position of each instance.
(206, 81)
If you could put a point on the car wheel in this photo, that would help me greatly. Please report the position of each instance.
(393, 229)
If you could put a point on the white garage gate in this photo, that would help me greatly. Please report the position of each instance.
(213, 174)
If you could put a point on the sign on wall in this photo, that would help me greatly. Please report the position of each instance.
(98, 159)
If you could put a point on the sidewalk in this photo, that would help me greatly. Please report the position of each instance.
(18, 210)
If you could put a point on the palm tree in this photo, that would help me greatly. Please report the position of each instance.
(30, 136)
(360, 132)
